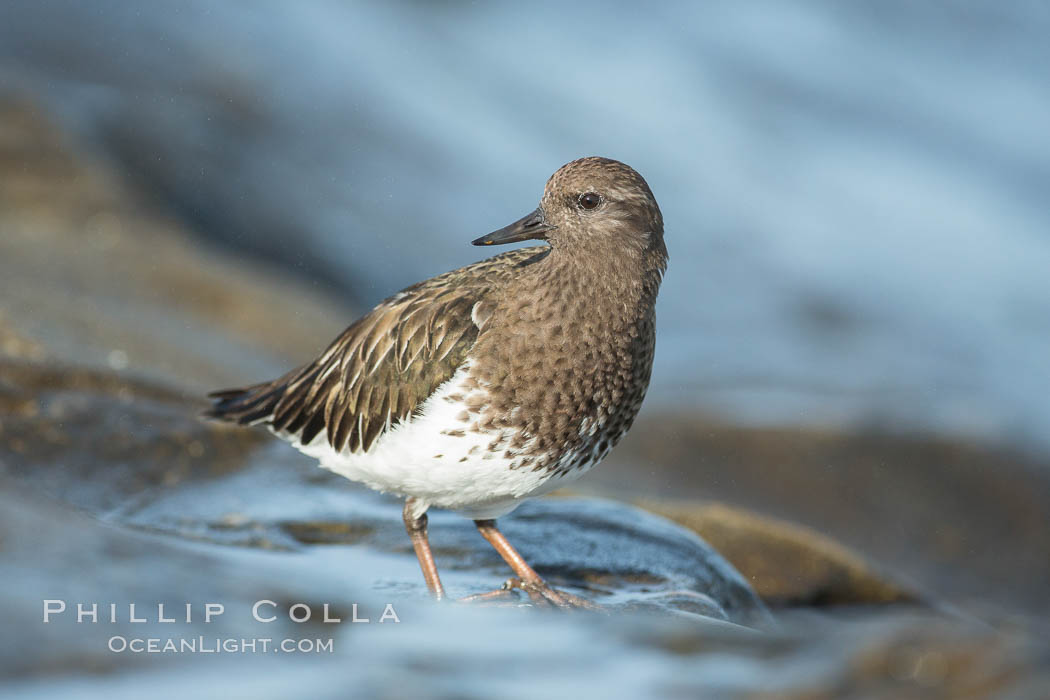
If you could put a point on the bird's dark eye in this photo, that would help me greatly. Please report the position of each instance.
(590, 200)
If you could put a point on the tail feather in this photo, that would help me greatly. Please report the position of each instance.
(247, 405)
(282, 404)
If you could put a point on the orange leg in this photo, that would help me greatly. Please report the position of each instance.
(416, 525)
(528, 580)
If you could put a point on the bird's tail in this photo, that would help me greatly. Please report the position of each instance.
(246, 406)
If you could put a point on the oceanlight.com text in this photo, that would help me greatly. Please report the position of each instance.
(218, 645)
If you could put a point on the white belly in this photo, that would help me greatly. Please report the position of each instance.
(418, 458)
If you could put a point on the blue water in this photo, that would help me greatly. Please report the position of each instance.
(855, 193)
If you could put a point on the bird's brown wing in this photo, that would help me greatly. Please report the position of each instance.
(381, 368)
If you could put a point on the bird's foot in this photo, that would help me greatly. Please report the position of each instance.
(539, 593)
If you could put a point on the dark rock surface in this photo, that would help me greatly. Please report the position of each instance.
(967, 522)
(788, 565)
(113, 321)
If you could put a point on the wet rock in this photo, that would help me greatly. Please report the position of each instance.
(98, 439)
(618, 556)
(788, 565)
(631, 556)
(49, 551)
(940, 511)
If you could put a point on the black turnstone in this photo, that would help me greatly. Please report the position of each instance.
(496, 382)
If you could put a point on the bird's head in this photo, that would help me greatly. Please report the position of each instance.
(590, 203)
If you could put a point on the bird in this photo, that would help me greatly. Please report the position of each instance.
(493, 383)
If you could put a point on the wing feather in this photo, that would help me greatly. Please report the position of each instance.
(381, 369)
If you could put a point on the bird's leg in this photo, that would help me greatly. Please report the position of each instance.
(415, 515)
(527, 580)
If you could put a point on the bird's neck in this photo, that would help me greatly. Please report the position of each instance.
(610, 285)
(613, 272)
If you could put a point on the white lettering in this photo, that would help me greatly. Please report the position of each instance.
(213, 609)
(389, 614)
(327, 617)
(259, 604)
(302, 606)
(51, 607)
(82, 612)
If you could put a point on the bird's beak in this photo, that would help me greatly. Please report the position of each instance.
(529, 227)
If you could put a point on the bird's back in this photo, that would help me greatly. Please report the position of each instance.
(384, 366)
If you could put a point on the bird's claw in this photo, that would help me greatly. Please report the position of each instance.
(539, 593)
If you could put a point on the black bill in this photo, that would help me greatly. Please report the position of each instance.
(529, 227)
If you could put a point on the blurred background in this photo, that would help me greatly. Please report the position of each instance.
(855, 196)
(854, 327)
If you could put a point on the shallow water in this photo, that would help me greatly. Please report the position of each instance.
(235, 522)
(435, 650)
(854, 197)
